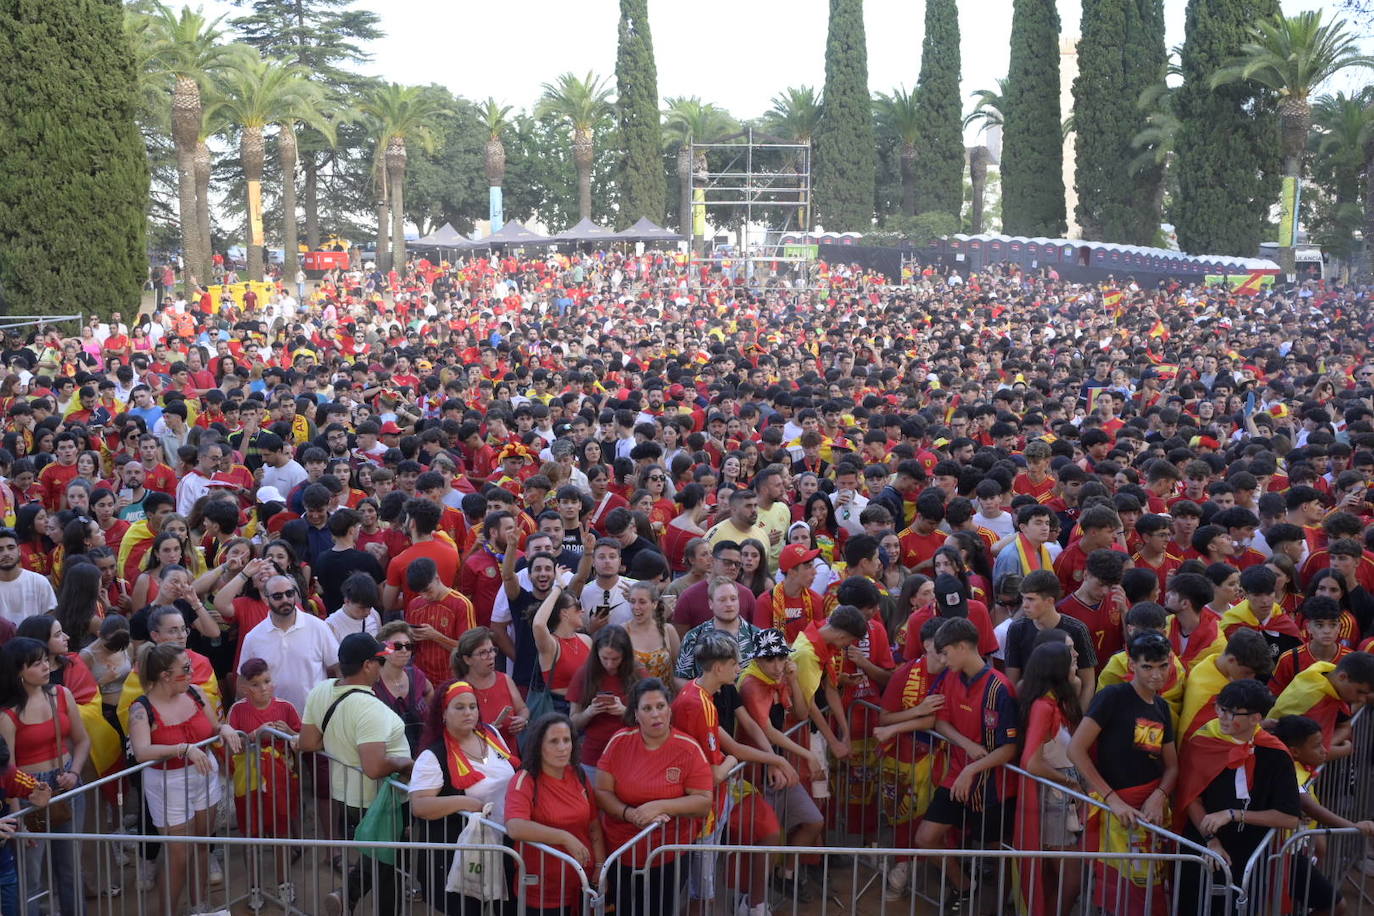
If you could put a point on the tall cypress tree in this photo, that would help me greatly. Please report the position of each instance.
(75, 189)
(939, 165)
(1032, 141)
(1227, 150)
(1120, 54)
(846, 151)
(642, 186)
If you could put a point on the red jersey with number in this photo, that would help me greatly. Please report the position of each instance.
(1104, 622)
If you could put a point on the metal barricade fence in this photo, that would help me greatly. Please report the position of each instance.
(283, 834)
(1299, 875)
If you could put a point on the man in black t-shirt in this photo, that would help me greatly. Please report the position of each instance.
(1040, 591)
(1130, 733)
(342, 560)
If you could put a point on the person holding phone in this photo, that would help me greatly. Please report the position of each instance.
(599, 691)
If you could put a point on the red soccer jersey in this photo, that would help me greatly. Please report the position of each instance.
(445, 557)
(1103, 622)
(451, 616)
(642, 775)
(1042, 491)
(563, 803)
(907, 687)
(161, 478)
(54, 479)
(983, 709)
(1294, 661)
(918, 548)
(695, 714)
(977, 615)
(1164, 570)
(1070, 567)
(480, 579)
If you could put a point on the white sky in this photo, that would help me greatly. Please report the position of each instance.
(735, 53)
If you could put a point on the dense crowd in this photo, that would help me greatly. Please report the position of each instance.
(579, 540)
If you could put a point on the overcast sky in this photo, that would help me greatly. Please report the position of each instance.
(735, 53)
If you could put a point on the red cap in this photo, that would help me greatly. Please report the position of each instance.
(794, 555)
(389, 428)
(676, 392)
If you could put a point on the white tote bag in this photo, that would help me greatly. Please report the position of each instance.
(479, 873)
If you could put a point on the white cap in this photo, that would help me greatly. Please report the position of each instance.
(270, 494)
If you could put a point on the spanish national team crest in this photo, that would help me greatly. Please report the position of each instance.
(989, 718)
(673, 775)
(490, 571)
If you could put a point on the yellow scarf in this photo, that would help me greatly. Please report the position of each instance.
(753, 670)
(1043, 560)
(780, 607)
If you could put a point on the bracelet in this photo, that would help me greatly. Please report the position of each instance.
(1207, 838)
(1231, 813)
(624, 811)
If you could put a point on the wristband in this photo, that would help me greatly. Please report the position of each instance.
(624, 811)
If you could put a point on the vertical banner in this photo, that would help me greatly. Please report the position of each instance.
(699, 213)
(495, 209)
(1288, 213)
(255, 236)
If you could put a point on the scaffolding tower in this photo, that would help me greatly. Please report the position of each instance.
(764, 177)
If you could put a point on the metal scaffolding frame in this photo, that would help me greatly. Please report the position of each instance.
(746, 182)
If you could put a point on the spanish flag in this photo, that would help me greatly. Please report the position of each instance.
(1159, 330)
(1251, 286)
(107, 747)
(1204, 682)
(1312, 694)
(202, 675)
(1207, 754)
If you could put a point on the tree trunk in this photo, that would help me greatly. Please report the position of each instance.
(908, 178)
(1369, 211)
(684, 184)
(582, 158)
(286, 149)
(396, 179)
(311, 200)
(383, 232)
(494, 163)
(186, 115)
(1295, 122)
(251, 152)
(978, 177)
(202, 168)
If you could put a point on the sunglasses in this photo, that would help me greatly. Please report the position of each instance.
(277, 596)
(403, 646)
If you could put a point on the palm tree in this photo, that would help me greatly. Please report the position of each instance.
(314, 113)
(991, 107)
(255, 94)
(186, 46)
(583, 105)
(401, 115)
(1293, 56)
(897, 119)
(495, 118)
(1345, 144)
(978, 159)
(689, 120)
(795, 113)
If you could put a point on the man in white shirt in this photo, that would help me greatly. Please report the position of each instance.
(279, 469)
(197, 482)
(849, 503)
(300, 649)
(23, 593)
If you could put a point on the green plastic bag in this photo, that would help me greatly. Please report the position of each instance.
(384, 822)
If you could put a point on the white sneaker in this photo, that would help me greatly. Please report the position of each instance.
(147, 875)
(898, 880)
(216, 872)
(286, 892)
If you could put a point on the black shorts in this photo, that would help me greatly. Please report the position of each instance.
(990, 825)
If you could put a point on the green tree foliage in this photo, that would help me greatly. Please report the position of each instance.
(1227, 146)
(938, 168)
(448, 185)
(1032, 141)
(636, 107)
(845, 143)
(1120, 55)
(542, 177)
(75, 187)
(328, 39)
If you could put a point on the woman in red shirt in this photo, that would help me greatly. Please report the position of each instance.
(551, 802)
(686, 525)
(599, 690)
(650, 774)
(563, 648)
(498, 698)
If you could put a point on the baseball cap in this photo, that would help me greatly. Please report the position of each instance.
(793, 555)
(771, 644)
(270, 494)
(356, 648)
(677, 392)
(949, 597)
(389, 428)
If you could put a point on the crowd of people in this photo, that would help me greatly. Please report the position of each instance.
(593, 542)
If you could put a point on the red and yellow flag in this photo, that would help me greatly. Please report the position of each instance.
(1159, 330)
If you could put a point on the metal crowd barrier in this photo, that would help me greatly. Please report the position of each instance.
(283, 843)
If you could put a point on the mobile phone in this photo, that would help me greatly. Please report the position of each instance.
(502, 716)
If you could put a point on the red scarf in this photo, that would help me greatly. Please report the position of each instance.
(1202, 637)
(461, 773)
(1206, 754)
